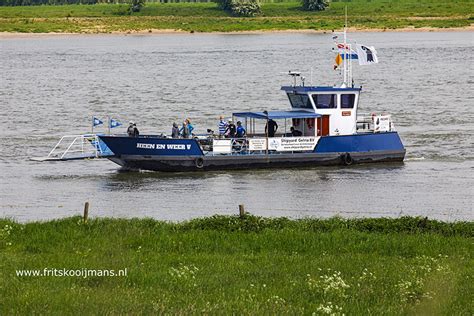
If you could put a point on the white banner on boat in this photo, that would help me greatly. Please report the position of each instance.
(257, 144)
(382, 123)
(283, 143)
(222, 146)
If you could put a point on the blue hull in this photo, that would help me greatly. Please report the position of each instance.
(360, 143)
(164, 154)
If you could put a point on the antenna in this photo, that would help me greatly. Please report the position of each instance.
(294, 74)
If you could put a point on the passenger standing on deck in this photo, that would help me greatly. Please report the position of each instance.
(240, 131)
(271, 127)
(175, 131)
(190, 126)
(231, 130)
(132, 130)
(184, 130)
(222, 127)
(135, 130)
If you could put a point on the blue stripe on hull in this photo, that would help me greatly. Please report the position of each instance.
(359, 143)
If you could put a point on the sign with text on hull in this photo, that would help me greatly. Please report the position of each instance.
(164, 146)
(283, 143)
(160, 147)
(382, 123)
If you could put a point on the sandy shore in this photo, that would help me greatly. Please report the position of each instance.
(5, 35)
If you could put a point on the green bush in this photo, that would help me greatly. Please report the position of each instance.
(315, 5)
(246, 8)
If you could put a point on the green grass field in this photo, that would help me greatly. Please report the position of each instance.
(224, 265)
(206, 17)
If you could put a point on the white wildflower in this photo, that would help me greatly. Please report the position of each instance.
(329, 309)
(184, 272)
(329, 284)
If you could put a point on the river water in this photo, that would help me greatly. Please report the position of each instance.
(52, 85)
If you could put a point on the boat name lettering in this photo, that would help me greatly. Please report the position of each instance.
(164, 146)
(145, 146)
(176, 146)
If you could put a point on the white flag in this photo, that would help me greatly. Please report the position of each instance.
(367, 55)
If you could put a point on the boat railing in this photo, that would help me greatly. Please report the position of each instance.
(227, 146)
(71, 147)
(256, 144)
(374, 123)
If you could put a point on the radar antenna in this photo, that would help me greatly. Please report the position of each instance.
(294, 74)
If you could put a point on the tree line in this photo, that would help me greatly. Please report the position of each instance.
(235, 7)
(63, 2)
(47, 2)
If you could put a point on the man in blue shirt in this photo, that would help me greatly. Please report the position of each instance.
(240, 130)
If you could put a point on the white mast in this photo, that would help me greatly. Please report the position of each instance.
(347, 62)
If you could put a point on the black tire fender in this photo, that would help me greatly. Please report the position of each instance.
(347, 159)
(199, 162)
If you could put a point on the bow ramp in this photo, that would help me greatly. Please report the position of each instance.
(76, 147)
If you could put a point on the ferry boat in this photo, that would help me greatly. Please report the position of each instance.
(330, 132)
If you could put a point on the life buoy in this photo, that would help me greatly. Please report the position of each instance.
(199, 162)
(347, 159)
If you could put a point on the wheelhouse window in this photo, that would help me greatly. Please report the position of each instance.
(300, 101)
(347, 101)
(325, 101)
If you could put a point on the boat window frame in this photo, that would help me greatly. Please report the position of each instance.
(353, 100)
(334, 100)
(309, 103)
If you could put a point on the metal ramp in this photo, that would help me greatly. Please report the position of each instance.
(76, 147)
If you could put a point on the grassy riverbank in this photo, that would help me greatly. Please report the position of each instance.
(224, 265)
(206, 17)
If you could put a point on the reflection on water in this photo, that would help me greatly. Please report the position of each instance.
(51, 87)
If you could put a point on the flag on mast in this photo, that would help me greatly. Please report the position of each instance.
(346, 50)
(367, 55)
(96, 121)
(338, 61)
(114, 123)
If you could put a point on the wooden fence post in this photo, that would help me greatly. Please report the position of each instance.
(86, 212)
(241, 210)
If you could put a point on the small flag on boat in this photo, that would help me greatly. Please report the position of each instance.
(114, 123)
(352, 55)
(346, 50)
(367, 55)
(338, 61)
(96, 121)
